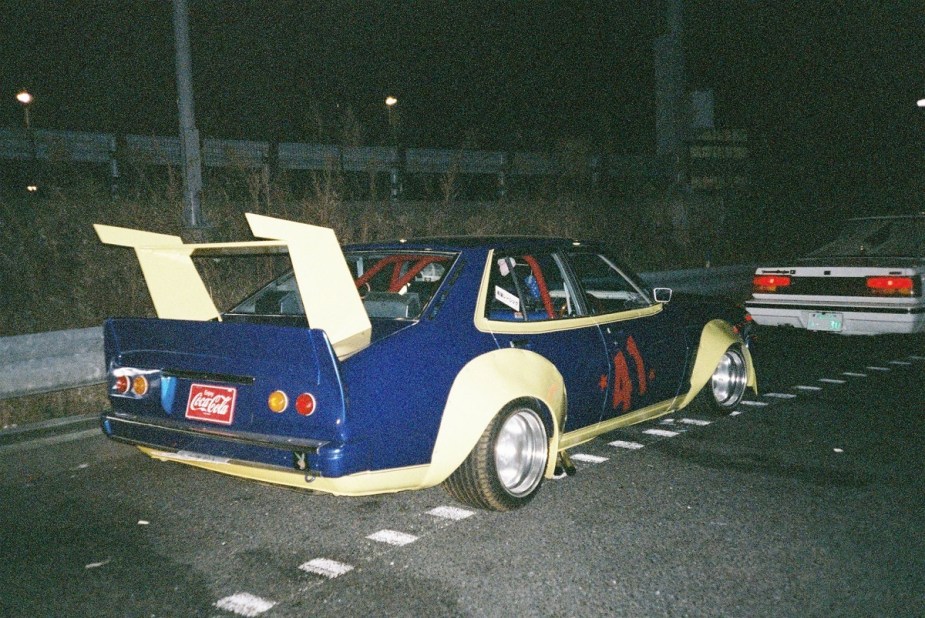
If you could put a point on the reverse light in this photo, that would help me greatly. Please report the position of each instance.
(890, 286)
(769, 283)
(305, 404)
(277, 401)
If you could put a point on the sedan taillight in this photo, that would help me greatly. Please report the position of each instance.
(769, 283)
(890, 286)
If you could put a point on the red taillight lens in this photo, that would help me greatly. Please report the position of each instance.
(890, 286)
(121, 385)
(305, 404)
(769, 283)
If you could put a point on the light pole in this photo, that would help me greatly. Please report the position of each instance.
(394, 176)
(25, 100)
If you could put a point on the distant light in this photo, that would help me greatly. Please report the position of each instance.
(390, 101)
(921, 103)
(24, 97)
(32, 188)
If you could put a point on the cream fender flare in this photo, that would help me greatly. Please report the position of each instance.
(715, 339)
(485, 385)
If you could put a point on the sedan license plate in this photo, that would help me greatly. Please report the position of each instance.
(212, 404)
(830, 322)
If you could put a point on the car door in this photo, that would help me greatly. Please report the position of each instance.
(532, 304)
(645, 349)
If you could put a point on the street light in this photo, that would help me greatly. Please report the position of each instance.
(394, 173)
(25, 99)
(920, 103)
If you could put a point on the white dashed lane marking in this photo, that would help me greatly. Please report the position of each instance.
(626, 444)
(854, 374)
(662, 433)
(806, 387)
(915, 357)
(326, 567)
(832, 381)
(450, 512)
(694, 421)
(587, 458)
(244, 604)
(392, 537)
(781, 395)
(876, 368)
(754, 404)
(900, 363)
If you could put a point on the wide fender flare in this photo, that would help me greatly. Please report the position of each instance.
(483, 387)
(717, 336)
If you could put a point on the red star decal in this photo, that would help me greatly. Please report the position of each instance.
(602, 383)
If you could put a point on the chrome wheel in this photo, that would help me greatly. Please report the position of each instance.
(520, 452)
(730, 379)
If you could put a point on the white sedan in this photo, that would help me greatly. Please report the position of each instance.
(868, 281)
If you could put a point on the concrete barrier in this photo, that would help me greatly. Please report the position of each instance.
(59, 360)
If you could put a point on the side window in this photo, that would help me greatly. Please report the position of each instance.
(528, 287)
(608, 288)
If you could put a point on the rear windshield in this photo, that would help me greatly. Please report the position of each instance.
(393, 285)
(900, 237)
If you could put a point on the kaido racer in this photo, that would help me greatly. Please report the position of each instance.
(474, 363)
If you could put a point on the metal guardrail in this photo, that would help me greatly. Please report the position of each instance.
(59, 360)
(106, 148)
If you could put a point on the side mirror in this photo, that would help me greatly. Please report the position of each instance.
(662, 295)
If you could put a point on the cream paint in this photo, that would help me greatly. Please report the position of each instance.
(329, 295)
(715, 339)
(482, 389)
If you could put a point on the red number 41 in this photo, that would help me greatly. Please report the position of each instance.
(622, 385)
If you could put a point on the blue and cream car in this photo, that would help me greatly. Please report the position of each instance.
(472, 363)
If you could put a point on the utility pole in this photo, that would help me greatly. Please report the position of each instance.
(189, 135)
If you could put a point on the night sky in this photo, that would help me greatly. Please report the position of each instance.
(828, 88)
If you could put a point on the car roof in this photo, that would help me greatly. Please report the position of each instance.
(462, 243)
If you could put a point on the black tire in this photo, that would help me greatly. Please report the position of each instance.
(726, 387)
(505, 469)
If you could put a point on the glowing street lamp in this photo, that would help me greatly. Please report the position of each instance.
(25, 99)
(920, 103)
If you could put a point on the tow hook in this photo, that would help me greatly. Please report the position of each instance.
(564, 466)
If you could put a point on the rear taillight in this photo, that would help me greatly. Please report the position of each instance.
(277, 401)
(769, 283)
(305, 404)
(890, 286)
(133, 383)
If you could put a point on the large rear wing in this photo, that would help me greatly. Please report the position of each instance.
(328, 293)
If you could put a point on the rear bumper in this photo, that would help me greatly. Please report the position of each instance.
(855, 320)
(283, 452)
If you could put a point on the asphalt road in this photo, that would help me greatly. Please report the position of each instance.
(809, 505)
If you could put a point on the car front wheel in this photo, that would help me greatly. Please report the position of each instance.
(726, 387)
(505, 469)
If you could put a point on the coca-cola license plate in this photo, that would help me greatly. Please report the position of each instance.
(213, 404)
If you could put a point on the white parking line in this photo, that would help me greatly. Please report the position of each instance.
(781, 395)
(586, 458)
(695, 421)
(875, 368)
(244, 604)
(392, 537)
(832, 381)
(915, 357)
(326, 567)
(754, 404)
(734, 413)
(663, 433)
(901, 363)
(626, 444)
(854, 374)
(805, 387)
(450, 512)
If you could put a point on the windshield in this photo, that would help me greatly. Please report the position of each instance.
(878, 237)
(392, 285)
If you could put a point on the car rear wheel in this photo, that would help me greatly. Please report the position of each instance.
(726, 387)
(505, 469)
